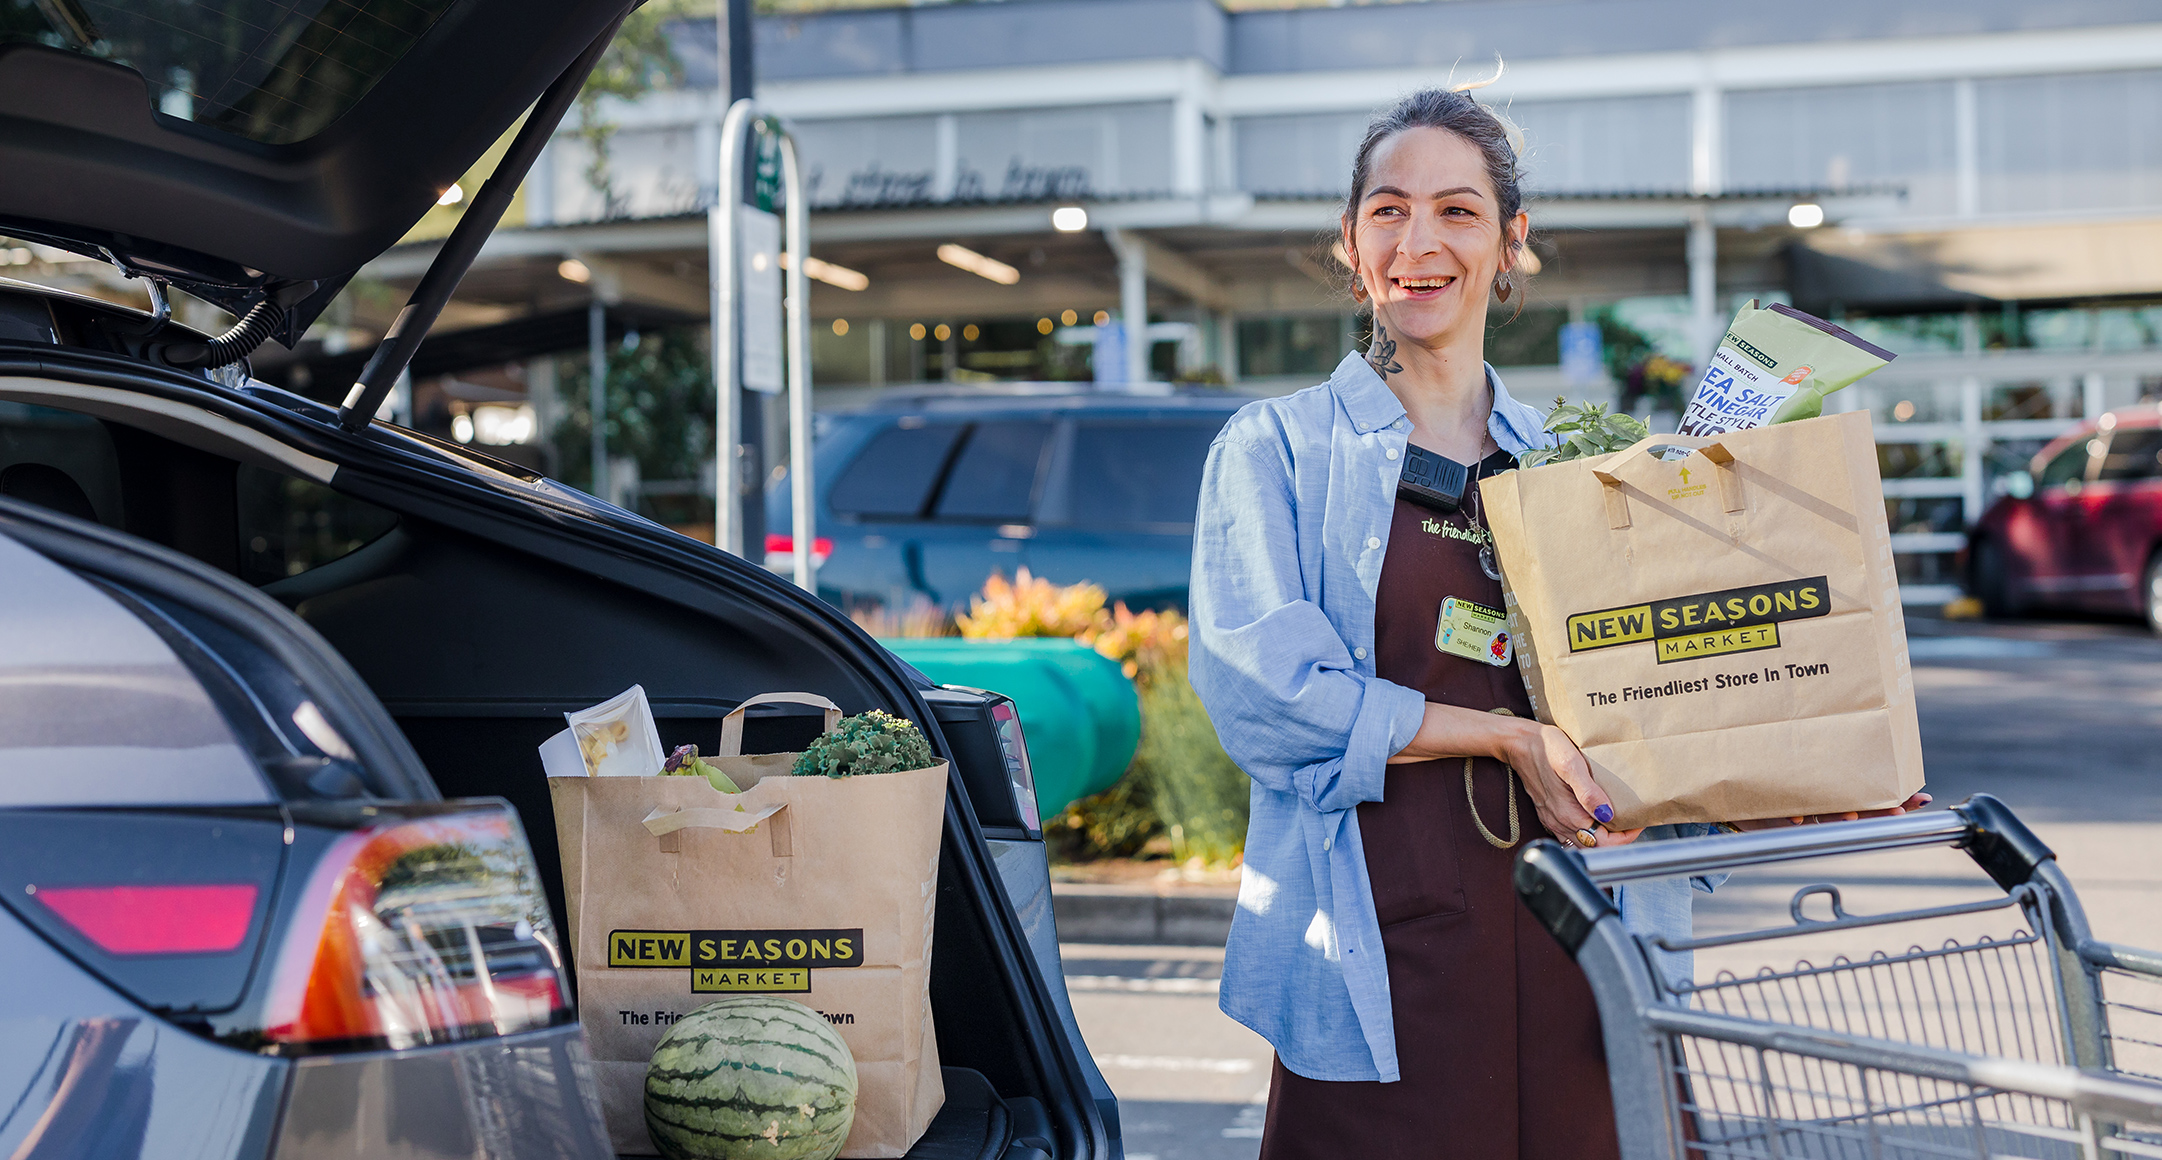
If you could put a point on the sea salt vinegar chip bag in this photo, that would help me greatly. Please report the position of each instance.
(1776, 364)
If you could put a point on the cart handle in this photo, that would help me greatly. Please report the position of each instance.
(1563, 886)
(2108, 1095)
(1982, 825)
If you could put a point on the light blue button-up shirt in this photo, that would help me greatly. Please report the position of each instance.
(1294, 522)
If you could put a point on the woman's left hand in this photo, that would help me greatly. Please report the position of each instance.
(1913, 803)
(1559, 781)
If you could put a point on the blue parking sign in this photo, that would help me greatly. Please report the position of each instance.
(1583, 354)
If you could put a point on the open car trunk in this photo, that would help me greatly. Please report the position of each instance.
(478, 620)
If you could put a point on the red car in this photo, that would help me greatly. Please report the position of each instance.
(2082, 528)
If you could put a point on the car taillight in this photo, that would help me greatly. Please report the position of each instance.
(781, 551)
(155, 920)
(1014, 749)
(417, 931)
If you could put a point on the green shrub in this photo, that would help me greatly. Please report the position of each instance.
(1181, 784)
(1199, 795)
(1117, 823)
(867, 743)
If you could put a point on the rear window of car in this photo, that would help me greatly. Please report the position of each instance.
(99, 709)
(275, 71)
(2070, 464)
(996, 476)
(892, 477)
(59, 460)
(1137, 473)
(2133, 455)
(289, 525)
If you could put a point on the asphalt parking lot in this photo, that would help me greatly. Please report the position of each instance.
(2062, 719)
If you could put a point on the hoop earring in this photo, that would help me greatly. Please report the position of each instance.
(1358, 289)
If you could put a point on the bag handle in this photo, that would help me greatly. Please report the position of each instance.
(732, 725)
(1609, 476)
(667, 825)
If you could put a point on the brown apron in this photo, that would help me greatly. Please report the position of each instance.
(1497, 1037)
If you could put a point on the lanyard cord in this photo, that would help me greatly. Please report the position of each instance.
(1516, 830)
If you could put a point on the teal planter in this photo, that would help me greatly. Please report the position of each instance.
(1078, 711)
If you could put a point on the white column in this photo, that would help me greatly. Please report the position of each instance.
(1133, 301)
(1189, 147)
(1966, 148)
(540, 391)
(1972, 496)
(540, 188)
(2092, 400)
(875, 330)
(1224, 152)
(597, 390)
(1227, 345)
(706, 152)
(1703, 252)
(946, 157)
(1707, 163)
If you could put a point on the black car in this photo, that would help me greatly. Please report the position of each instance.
(259, 650)
(924, 496)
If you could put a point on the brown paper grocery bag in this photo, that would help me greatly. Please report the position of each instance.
(819, 889)
(1720, 633)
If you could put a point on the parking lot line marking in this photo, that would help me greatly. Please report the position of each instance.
(1175, 1063)
(1164, 986)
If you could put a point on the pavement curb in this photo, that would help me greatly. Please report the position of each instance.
(1086, 912)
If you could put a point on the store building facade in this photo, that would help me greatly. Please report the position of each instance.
(1988, 176)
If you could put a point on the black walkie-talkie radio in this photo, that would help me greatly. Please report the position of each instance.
(1431, 480)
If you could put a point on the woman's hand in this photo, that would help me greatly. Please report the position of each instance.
(1560, 783)
(1555, 773)
(1913, 803)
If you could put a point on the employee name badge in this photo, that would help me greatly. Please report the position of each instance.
(1474, 632)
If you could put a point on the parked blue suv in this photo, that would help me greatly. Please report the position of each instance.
(924, 496)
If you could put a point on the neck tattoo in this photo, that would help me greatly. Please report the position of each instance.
(1381, 353)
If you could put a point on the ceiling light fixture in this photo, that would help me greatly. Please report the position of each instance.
(830, 274)
(978, 265)
(1805, 215)
(574, 270)
(1069, 219)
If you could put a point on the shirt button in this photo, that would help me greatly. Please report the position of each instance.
(1392, 452)
(1359, 653)
(1327, 842)
(1373, 541)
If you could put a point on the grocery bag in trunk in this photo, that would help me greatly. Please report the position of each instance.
(1720, 633)
(819, 889)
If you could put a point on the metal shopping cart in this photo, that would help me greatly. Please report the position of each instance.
(2031, 1039)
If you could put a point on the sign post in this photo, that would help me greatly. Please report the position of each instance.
(760, 336)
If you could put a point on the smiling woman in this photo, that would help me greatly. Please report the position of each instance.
(1349, 647)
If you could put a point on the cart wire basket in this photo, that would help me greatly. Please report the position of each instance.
(2034, 1040)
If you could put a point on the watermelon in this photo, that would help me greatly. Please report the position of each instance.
(751, 1077)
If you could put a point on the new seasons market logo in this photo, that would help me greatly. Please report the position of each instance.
(739, 960)
(1708, 624)
(1742, 344)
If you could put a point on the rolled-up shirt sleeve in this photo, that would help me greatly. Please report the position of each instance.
(1289, 702)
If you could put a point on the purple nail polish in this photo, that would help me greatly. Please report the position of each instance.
(1605, 814)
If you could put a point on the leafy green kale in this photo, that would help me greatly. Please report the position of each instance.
(1585, 430)
(872, 742)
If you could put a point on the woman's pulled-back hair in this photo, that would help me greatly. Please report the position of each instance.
(1456, 112)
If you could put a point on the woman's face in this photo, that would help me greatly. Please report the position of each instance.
(1427, 237)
